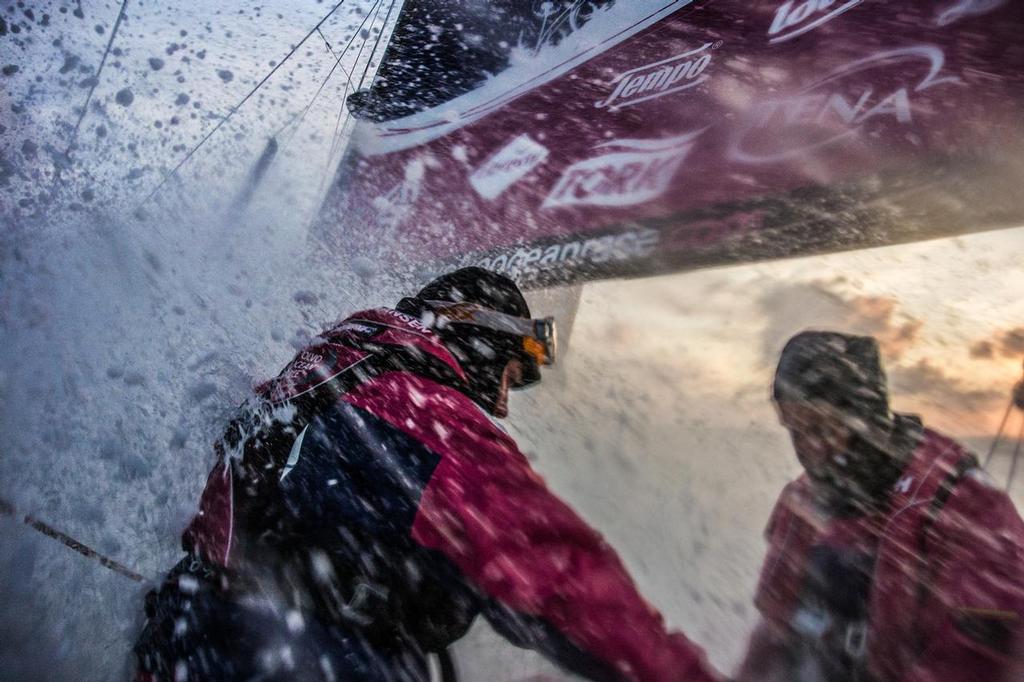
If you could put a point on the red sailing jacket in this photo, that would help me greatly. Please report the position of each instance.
(476, 501)
(946, 599)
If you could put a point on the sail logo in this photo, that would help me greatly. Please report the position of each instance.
(628, 172)
(633, 244)
(396, 205)
(839, 106)
(651, 81)
(508, 166)
(794, 18)
(962, 9)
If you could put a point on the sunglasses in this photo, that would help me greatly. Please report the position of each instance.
(539, 336)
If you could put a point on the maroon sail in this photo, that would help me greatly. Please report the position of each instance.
(654, 136)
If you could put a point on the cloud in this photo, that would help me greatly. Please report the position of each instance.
(932, 384)
(1011, 342)
(952, 401)
(1008, 343)
(792, 307)
(877, 316)
(982, 350)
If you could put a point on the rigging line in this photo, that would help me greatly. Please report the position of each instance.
(336, 140)
(300, 116)
(369, 60)
(348, 83)
(337, 63)
(543, 24)
(373, 51)
(324, 180)
(335, 137)
(95, 82)
(376, 44)
(235, 108)
(327, 43)
(542, 37)
(999, 434)
(71, 543)
(376, 6)
(555, 24)
(1016, 457)
(99, 71)
(338, 137)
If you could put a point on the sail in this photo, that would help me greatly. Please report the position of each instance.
(566, 141)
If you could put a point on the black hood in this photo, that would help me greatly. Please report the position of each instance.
(845, 372)
(842, 370)
(483, 353)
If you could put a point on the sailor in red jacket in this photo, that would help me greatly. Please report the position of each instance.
(893, 558)
(365, 509)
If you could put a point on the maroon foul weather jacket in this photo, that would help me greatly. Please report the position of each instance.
(944, 589)
(442, 483)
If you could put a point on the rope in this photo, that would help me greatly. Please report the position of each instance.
(88, 97)
(6, 508)
(327, 43)
(96, 80)
(376, 43)
(1016, 457)
(999, 434)
(235, 108)
(337, 63)
(335, 138)
(1015, 399)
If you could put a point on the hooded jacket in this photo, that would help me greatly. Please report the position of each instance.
(943, 589)
(364, 461)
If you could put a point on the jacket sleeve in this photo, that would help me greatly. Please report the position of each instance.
(768, 656)
(979, 588)
(540, 564)
(769, 653)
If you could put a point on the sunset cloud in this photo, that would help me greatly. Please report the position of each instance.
(1011, 343)
(1008, 343)
(790, 307)
(926, 380)
(982, 350)
(877, 316)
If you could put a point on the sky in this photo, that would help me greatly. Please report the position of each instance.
(948, 314)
